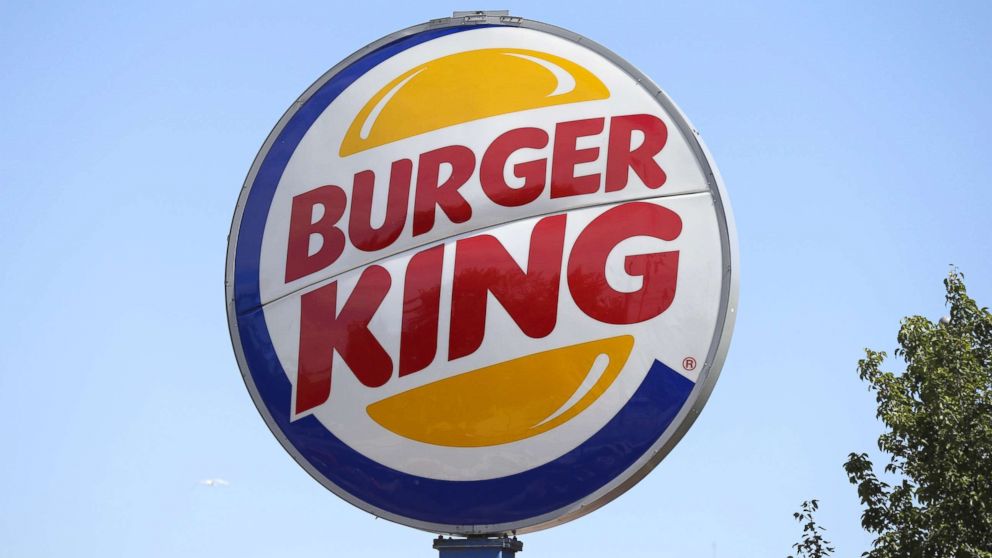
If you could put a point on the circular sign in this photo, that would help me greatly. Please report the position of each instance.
(481, 277)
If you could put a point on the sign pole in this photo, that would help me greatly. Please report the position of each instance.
(478, 546)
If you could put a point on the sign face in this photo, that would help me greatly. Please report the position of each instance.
(481, 277)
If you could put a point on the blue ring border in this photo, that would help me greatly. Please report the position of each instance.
(513, 499)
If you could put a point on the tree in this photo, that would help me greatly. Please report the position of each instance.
(812, 545)
(936, 497)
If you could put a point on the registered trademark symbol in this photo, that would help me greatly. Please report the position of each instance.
(689, 363)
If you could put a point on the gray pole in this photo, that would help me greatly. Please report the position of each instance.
(481, 546)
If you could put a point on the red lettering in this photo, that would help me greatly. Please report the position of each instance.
(299, 261)
(534, 173)
(564, 183)
(620, 156)
(362, 234)
(483, 266)
(323, 331)
(430, 193)
(587, 264)
(421, 307)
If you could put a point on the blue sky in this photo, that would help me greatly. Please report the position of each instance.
(853, 140)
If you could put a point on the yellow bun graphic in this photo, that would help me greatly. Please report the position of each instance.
(468, 86)
(508, 401)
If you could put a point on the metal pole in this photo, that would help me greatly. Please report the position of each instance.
(480, 546)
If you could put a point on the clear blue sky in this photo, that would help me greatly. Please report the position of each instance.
(853, 138)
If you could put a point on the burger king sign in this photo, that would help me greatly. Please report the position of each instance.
(481, 277)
